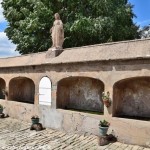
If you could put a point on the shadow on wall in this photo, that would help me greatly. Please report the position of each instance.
(22, 89)
(80, 93)
(2, 87)
(131, 98)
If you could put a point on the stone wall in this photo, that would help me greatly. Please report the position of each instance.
(80, 93)
(98, 71)
(21, 89)
(132, 98)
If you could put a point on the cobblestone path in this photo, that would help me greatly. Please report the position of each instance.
(15, 135)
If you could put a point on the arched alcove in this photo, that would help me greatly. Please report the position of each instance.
(2, 87)
(45, 91)
(22, 89)
(131, 98)
(80, 93)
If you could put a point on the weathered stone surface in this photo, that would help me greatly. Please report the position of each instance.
(57, 32)
(80, 93)
(89, 124)
(101, 52)
(23, 89)
(132, 98)
(72, 122)
(52, 52)
(50, 117)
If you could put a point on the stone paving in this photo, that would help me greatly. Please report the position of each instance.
(15, 135)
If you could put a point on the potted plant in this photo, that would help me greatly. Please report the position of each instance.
(103, 127)
(106, 99)
(35, 119)
(1, 109)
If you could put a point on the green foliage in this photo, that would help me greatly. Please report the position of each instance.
(85, 22)
(35, 117)
(104, 123)
(106, 96)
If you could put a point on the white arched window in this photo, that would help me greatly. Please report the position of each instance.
(45, 91)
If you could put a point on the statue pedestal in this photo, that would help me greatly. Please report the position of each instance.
(53, 52)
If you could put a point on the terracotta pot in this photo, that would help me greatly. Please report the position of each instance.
(107, 102)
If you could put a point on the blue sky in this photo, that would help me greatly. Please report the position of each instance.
(141, 9)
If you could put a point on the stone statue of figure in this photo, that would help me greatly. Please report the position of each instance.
(57, 33)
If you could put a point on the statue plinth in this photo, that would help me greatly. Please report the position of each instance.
(53, 52)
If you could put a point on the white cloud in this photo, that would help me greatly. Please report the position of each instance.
(7, 48)
(2, 19)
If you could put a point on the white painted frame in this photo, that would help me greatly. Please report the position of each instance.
(45, 91)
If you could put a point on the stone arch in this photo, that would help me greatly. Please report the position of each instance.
(2, 87)
(80, 93)
(45, 91)
(22, 89)
(131, 98)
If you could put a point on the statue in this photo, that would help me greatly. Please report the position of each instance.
(57, 33)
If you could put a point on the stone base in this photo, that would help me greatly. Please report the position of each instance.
(37, 127)
(104, 140)
(2, 115)
(53, 52)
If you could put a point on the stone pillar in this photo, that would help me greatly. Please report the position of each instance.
(36, 94)
(54, 96)
(108, 111)
(7, 90)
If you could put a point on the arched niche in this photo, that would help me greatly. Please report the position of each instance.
(22, 89)
(2, 88)
(45, 91)
(80, 93)
(131, 98)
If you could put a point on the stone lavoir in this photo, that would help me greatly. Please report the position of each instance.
(66, 91)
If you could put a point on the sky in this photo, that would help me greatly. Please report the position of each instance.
(142, 11)
(7, 48)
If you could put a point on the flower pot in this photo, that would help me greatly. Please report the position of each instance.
(103, 130)
(107, 102)
(1, 110)
(35, 120)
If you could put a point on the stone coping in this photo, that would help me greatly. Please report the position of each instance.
(97, 116)
(125, 50)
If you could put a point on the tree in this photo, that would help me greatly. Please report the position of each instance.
(145, 32)
(85, 22)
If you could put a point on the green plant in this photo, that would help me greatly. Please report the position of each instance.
(106, 96)
(35, 117)
(104, 123)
